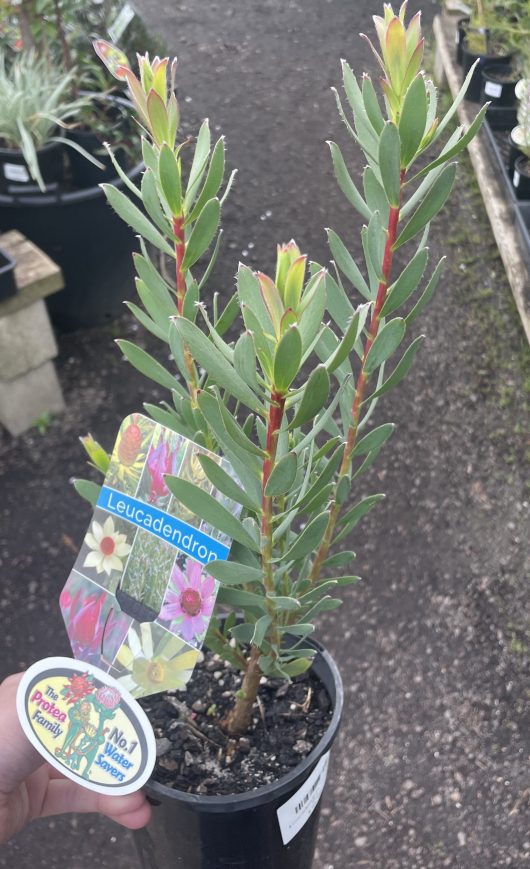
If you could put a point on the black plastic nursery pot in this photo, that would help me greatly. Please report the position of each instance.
(461, 30)
(521, 177)
(8, 286)
(498, 125)
(14, 172)
(85, 173)
(498, 85)
(90, 243)
(469, 58)
(190, 831)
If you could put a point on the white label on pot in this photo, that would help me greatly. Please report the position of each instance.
(516, 178)
(121, 22)
(457, 37)
(16, 172)
(492, 89)
(86, 725)
(296, 811)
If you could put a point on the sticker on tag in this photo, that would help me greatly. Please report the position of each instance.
(16, 172)
(86, 725)
(298, 809)
(516, 178)
(139, 598)
(492, 89)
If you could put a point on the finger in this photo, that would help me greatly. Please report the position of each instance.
(63, 795)
(21, 759)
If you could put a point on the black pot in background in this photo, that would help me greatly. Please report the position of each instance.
(84, 173)
(14, 172)
(189, 831)
(8, 286)
(514, 154)
(468, 59)
(461, 30)
(90, 243)
(521, 177)
(498, 85)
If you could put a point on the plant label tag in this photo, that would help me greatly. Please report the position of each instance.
(16, 172)
(492, 89)
(139, 598)
(121, 22)
(85, 725)
(298, 809)
(516, 178)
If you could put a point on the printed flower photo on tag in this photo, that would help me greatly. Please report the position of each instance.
(139, 599)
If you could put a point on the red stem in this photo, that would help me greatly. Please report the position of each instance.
(180, 250)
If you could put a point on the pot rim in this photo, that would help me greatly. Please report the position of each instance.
(251, 799)
(16, 152)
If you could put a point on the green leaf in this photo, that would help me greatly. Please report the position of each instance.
(202, 150)
(284, 603)
(169, 419)
(386, 341)
(282, 477)
(239, 598)
(431, 205)
(375, 195)
(225, 483)
(249, 292)
(375, 237)
(213, 181)
(406, 283)
(345, 182)
(353, 516)
(340, 558)
(146, 321)
(213, 361)
(203, 233)
(338, 303)
(296, 668)
(169, 174)
(227, 316)
(210, 510)
(322, 480)
(413, 119)
(287, 359)
(428, 292)
(308, 540)
(389, 163)
(132, 215)
(402, 368)
(300, 630)
(371, 105)
(345, 347)
(147, 365)
(347, 264)
(260, 629)
(232, 573)
(374, 440)
(237, 434)
(88, 490)
(245, 360)
(312, 307)
(314, 397)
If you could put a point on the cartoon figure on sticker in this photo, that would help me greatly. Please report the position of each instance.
(86, 732)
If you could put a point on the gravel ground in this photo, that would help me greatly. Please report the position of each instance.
(431, 768)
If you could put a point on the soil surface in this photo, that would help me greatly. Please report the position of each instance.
(431, 767)
(195, 755)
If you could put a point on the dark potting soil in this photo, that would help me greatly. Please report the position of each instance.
(195, 755)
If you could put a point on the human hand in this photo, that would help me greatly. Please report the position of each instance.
(32, 789)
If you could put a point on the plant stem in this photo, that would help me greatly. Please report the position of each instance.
(67, 57)
(382, 290)
(238, 720)
(180, 276)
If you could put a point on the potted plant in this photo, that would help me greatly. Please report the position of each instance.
(35, 102)
(287, 401)
(484, 44)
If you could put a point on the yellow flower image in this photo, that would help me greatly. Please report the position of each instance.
(107, 546)
(154, 667)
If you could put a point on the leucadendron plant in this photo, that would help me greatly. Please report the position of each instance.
(288, 402)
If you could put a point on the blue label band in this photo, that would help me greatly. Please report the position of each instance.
(175, 531)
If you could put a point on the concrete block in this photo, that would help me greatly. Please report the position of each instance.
(23, 399)
(26, 340)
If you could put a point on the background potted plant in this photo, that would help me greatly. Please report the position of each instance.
(520, 142)
(59, 221)
(297, 441)
(485, 44)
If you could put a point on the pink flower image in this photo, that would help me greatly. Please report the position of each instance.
(160, 461)
(108, 696)
(86, 627)
(189, 601)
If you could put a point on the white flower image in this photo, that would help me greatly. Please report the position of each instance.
(108, 547)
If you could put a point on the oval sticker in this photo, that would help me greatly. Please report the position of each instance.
(86, 725)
